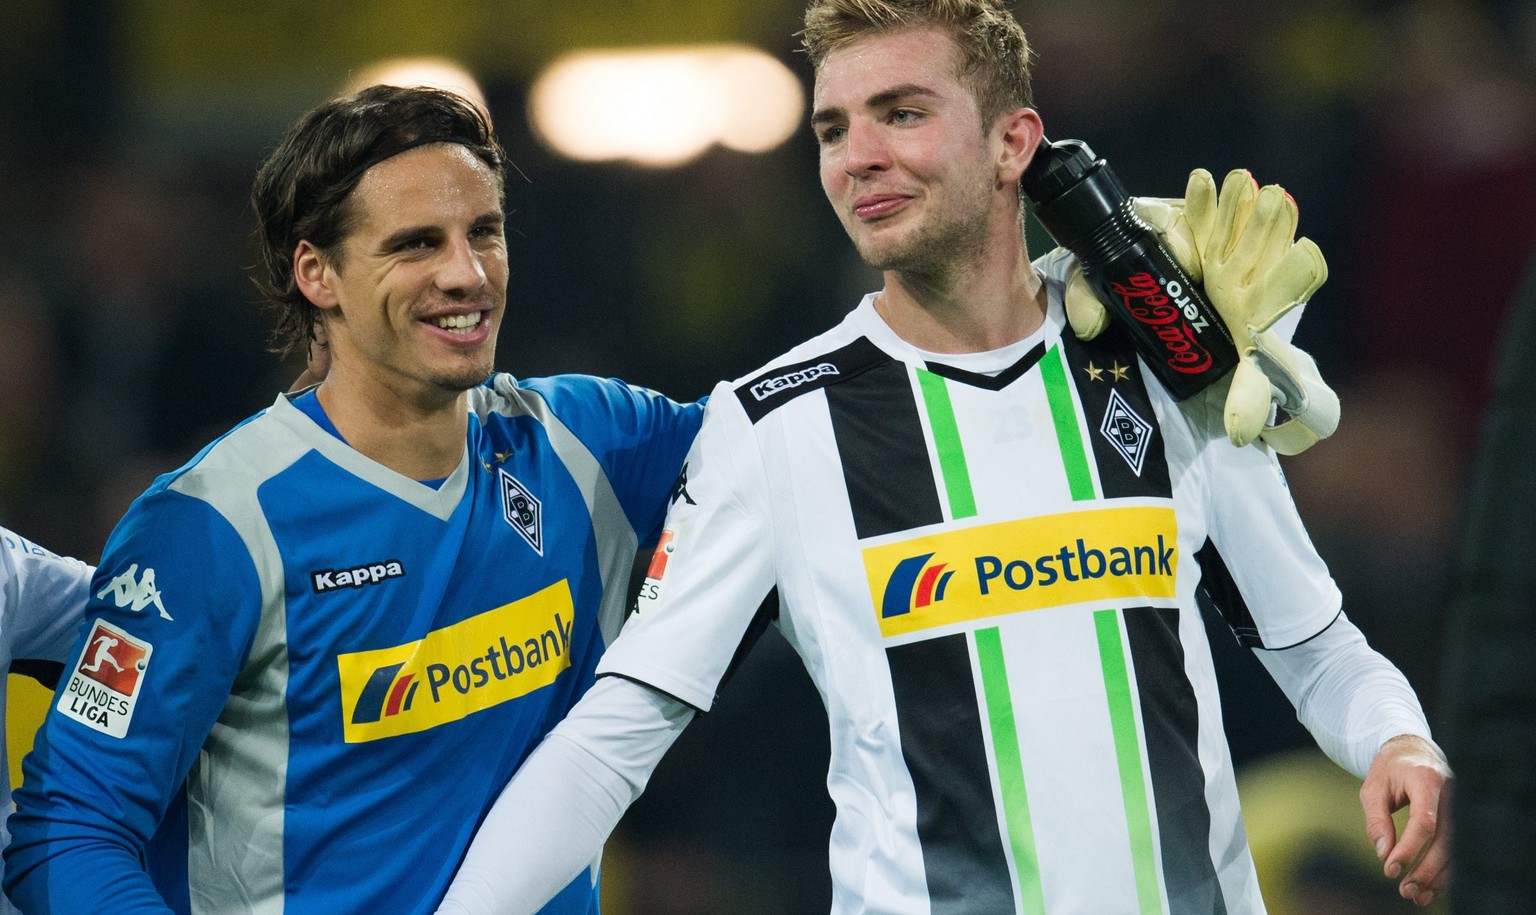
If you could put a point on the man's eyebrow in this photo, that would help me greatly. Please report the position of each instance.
(881, 99)
(400, 236)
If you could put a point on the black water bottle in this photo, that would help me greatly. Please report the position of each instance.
(1078, 199)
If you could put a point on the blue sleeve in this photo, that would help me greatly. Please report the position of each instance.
(639, 436)
(171, 614)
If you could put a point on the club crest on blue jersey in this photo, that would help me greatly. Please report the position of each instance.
(522, 510)
(1126, 431)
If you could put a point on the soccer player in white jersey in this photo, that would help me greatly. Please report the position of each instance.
(991, 540)
(42, 600)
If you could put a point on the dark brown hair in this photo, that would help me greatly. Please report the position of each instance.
(302, 190)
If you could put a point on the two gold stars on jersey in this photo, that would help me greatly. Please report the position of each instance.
(1117, 373)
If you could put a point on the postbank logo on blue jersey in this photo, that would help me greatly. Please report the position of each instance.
(453, 672)
(957, 576)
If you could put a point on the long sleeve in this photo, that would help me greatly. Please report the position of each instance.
(43, 596)
(1347, 695)
(167, 620)
(584, 776)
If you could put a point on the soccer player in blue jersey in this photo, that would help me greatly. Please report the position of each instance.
(367, 601)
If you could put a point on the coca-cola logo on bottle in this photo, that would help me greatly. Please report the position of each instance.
(1145, 300)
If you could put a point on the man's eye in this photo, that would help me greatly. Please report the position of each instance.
(830, 135)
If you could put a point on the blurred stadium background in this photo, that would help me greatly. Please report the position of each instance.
(129, 335)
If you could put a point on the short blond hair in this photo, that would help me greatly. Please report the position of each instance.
(994, 54)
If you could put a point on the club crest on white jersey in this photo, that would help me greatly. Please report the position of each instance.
(1126, 431)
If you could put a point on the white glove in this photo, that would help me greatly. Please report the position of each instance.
(1242, 248)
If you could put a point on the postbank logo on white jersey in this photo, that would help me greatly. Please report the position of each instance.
(955, 576)
(488, 659)
(103, 687)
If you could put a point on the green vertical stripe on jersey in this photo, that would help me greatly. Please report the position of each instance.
(1010, 769)
(1058, 392)
(1122, 717)
(946, 442)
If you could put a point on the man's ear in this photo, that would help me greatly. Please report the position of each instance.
(314, 275)
(1021, 132)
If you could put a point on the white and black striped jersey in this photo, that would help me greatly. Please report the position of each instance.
(993, 567)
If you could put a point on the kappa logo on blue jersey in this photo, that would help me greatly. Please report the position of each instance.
(912, 586)
(1126, 431)
(356, 576)
(384, 696)
(522, 510)
(134, 591)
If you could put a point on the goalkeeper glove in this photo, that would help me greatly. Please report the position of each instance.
(1242, 247)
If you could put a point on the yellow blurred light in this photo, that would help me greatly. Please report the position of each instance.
(665, 106)
(767, 102)
(431, 72)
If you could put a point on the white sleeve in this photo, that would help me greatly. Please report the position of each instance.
(43, 598)
(583, 776)
(714, 566)
(1260, 566)
(1350, 698)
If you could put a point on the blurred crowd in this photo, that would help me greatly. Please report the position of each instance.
(1406, 129)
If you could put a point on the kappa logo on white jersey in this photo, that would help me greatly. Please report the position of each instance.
(1127, 431)
(104, 685)
(794, 379)
(134, 591)
(522, 510)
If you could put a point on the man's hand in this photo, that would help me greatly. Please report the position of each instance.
(1241, 246)
(1410, 771)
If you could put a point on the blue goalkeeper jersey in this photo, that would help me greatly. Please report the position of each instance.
(304, 678)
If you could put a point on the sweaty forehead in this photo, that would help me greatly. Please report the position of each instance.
(440, 180)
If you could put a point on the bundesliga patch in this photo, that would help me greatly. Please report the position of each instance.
(651, 589)
(104, 685)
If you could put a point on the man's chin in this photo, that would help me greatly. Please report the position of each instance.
(464, 380)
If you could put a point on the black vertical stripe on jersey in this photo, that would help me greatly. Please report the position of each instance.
(1217, 591)
(779, 385)
(1116, 476)
(890, 479)
(942, 743)
(1171, 721)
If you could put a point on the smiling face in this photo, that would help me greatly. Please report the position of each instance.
(905, 160)
(413, 299)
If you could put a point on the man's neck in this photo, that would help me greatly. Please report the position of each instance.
(420, 438)
(980, 308)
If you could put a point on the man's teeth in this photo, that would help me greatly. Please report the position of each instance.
(462, 324)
